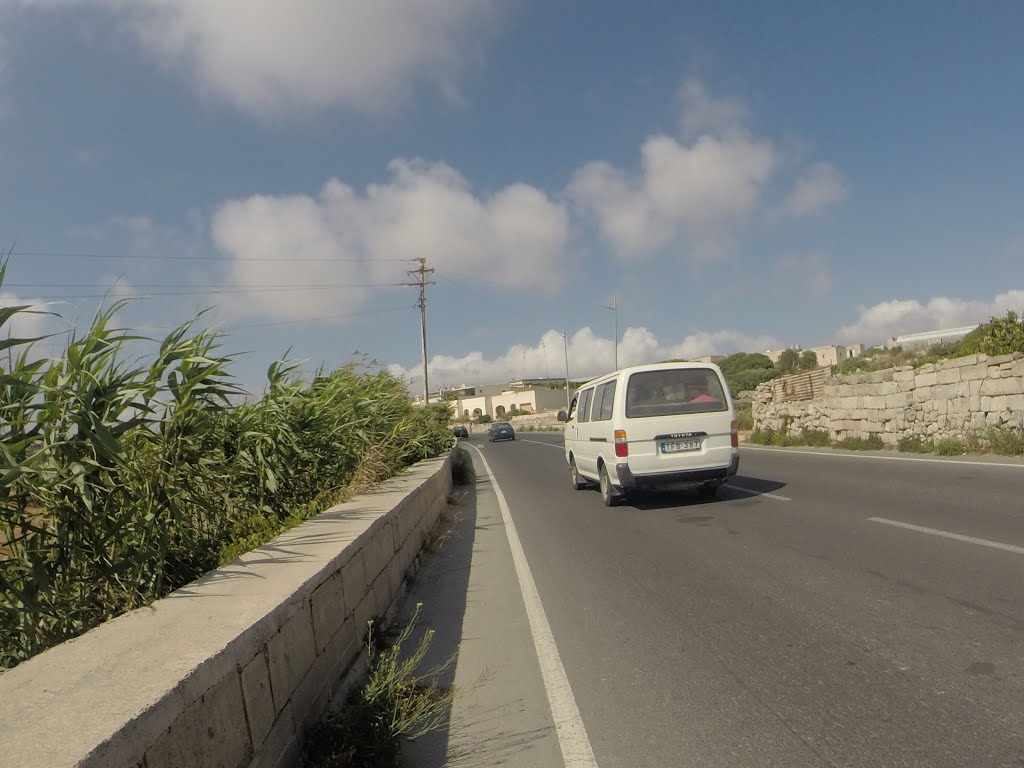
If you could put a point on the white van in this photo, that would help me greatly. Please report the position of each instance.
(653, 427)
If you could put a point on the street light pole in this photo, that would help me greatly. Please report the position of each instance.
(565, 346)
(615, 343)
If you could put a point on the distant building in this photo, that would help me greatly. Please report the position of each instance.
(926, 339)
(510, 402)
(709, 359)
(828, 355)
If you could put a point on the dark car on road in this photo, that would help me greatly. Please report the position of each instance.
(501, 430)
(460, 431)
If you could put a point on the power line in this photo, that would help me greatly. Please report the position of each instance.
(215, 292)
(235, 286)
(221, 259)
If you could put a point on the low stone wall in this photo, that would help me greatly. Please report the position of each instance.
(951, 398)
(230, 670)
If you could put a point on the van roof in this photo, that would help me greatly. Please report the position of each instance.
(647, 367)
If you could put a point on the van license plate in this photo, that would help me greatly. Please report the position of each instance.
(676, 446)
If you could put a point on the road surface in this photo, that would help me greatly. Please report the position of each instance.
(829, 610)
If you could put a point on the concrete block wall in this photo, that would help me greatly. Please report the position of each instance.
(951, 398)
(228, 671)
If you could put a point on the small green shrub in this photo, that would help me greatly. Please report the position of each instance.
(999, 336)
(745, 419)
(950, 446)
(462, 467)
(399, 701)
(1004, 441)
(915, 445)
(870, 443)
(818, 438)
(484, 419)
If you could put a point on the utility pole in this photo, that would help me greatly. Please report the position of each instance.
(419, 278)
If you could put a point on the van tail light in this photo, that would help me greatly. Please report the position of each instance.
(735, 435)
(621, 446)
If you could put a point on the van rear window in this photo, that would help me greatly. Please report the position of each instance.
(673, 391)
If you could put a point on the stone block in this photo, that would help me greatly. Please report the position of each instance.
(974, 372)
(1015, 402)
(363, 615)
(282, 745)
(849, 403)
(1000, 359)
(974, 404)
(353, 579)
(925, 379)
(948, 376)
(328, 608)
(211, 732)
(956, 405)
(940, 405)
(898, 400)
(998, 403)
(377, 553)
(922, 394)
(1017, 369)
(887, 388)
(259, 699)
(975, 386)
(874, 402)
(381, 592)
(291, 652)
(1008, 386)
(905, 376)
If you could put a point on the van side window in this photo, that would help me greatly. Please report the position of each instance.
(584, 409)
(572, 409)
(603, 401)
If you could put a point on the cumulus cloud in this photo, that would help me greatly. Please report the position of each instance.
(705, 191)
(893, 318)
(818, 187)
(589, 355)
(267, 56)
(701, 112)
(511, 240)
(696, 193)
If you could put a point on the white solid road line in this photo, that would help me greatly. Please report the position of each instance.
(539, 442)
(950, 462)
(572, 735)
(752, 492)
(947, 535)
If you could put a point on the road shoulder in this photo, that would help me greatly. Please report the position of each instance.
(470, 594)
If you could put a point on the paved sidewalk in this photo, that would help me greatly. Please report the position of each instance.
(470, 594)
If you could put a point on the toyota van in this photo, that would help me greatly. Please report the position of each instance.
(652, 427)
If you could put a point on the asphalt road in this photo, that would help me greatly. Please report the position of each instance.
(781, 625)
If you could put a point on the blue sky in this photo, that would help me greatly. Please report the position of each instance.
(737, 176)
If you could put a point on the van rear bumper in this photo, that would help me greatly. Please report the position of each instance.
(654, 480)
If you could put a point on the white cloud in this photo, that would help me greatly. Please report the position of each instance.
(818, 187)
(268, 56)
(700, 112)
(810, 273)
(705, 191)
(698, 192)
(893, 318)
(512, 240)
(589, 355)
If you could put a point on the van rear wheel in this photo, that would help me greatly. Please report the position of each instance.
(578, 483)
(607, 491)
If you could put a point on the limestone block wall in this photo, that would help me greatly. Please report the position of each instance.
(228, 671)
(951, 398)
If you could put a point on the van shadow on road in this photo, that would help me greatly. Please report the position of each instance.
(740, 487)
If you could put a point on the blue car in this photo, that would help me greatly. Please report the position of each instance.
(501, 430)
